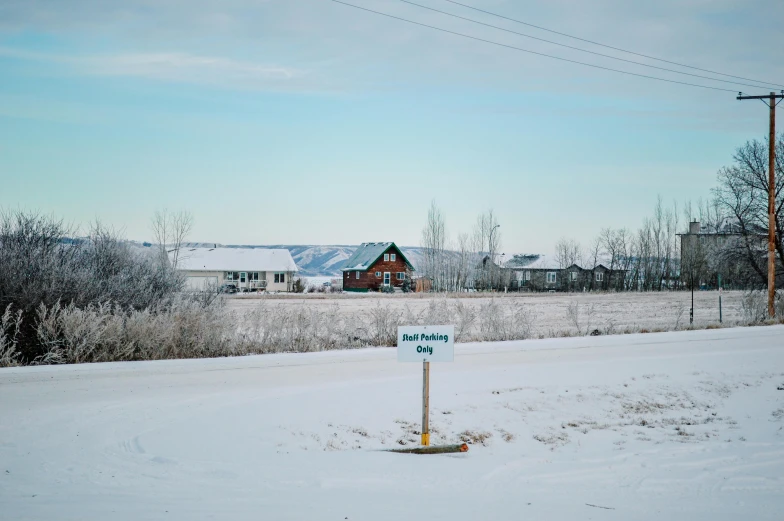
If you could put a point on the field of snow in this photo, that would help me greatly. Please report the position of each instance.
(608, 312)
(684, 425)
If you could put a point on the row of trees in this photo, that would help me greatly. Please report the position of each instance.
(734, 220)
(455, 264)
(645, 259)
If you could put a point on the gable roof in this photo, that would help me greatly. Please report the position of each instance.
(368, 253)
(532, 262)
(235, 259)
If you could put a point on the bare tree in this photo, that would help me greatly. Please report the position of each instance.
(487, 236)
(170, 230)
(595, 250)
(743, 194)
(567, 252)
(434, 243)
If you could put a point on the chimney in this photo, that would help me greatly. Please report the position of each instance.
(694, 227)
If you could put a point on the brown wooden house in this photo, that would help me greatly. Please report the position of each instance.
(376, 265)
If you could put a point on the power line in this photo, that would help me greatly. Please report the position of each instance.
(580, 49)
(533, 52)
(610, 46)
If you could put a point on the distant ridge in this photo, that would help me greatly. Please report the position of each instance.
(315, 260)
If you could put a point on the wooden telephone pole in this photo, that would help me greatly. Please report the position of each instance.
(771, 101)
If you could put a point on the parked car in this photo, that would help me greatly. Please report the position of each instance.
(227, 288)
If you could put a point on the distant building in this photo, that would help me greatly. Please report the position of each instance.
(532, 272)
(248, 269)
(699, 241)
(722, 249)
(375, 265)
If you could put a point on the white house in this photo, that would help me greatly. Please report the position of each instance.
(249, 269)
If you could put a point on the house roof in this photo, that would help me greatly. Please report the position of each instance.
(531, 262)
(368, 253)
(235, 259)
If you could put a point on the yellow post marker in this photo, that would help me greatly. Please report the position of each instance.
(425, 403)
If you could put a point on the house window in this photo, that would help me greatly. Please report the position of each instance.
(392, 257)
(401, 275)
(357, 275)
(386, 257)
(253, 276)
(232, 275)
(527, 275)
(599, 276)
(387, 277)
(378, 274)
(551, 277)
(280, 278)
(573, 276)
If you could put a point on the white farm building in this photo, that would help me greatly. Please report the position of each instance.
(249, 269)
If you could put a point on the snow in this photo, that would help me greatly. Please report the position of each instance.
(235, 259)
(662, 310)
(572, 422)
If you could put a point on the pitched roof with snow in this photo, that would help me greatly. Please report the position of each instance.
(368, 253)
(235, 259)
(532, 261)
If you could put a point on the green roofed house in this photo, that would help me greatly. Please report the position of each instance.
(375, 265)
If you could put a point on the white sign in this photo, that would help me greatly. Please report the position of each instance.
(426, 344)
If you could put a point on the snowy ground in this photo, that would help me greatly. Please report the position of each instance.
(686, 425)
(604, 311)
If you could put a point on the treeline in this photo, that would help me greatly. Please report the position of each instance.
(732, 246)
(466, 260)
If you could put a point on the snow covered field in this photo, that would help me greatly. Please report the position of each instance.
(685, 425)
(608, 312)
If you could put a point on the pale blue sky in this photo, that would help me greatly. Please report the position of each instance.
(308, 122)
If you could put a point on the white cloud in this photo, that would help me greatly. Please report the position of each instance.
(170, 66)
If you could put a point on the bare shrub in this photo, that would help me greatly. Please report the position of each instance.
(580, 320)
(465, 318)
(10, 323)
(475, 437)
(504, 321)
(384, 321)
(754, 307)
(299, 285)
(42, 264)
(679, 311)
(105, 332)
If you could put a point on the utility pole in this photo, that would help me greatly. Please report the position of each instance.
(770, 101)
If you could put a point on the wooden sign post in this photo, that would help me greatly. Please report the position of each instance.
(426, 344)
(425, 403)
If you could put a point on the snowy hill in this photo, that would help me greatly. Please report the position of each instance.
(320, 261)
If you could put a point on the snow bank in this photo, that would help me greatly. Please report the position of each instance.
(685, 425)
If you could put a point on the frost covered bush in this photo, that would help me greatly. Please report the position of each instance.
(10, 323)
(504, 321)
(106, 332)
(579, 318)
(43, 264)
(754, 306)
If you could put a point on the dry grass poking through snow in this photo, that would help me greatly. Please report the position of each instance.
(648, 409)
(189, 328)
